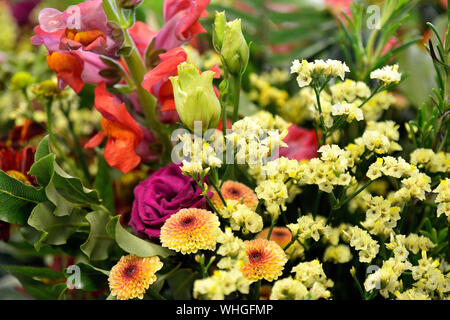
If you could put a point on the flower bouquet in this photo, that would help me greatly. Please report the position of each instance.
(238, 150)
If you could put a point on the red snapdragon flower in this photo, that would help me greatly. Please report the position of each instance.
(302, 144)
(157, 82)
(121, 130)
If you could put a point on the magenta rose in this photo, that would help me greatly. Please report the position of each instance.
(162, 194)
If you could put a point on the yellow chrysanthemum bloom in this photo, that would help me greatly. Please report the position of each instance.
(132, 276)
(232, 190)
(190, 230)
(266, 260)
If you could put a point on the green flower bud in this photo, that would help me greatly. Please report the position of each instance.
(220, 21)
(47, 89)
(195, 98)
(21, 80)
(234, 49)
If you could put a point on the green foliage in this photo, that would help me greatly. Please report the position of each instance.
(308, 30)
(364, 39)
(99, 242)
(132, 244)
(17, 199)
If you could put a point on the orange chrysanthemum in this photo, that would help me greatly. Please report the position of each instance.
(280, 235)
(132, 276)
(232, 190)
(266, 260)
(190, 230)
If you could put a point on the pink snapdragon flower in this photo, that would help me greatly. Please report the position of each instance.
(181, 17)
(74, 39)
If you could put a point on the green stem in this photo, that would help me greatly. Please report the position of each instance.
(354, 195)
(54, 142)
(137, 71)
(257, 289)
(272, 225)
(78, 149)
(322, 121)
(236, 96)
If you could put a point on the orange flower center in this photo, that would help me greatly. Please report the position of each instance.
(84, 37)
(63, 62)
(116, 130)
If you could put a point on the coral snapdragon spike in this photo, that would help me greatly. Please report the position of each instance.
(157, 82)
(122, 131)
(68, 69)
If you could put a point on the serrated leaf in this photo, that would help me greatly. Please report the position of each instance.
(17, 199)
(56, 230)
(72, 189)
(99, 241)
(134, 245)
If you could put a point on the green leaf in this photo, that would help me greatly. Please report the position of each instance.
(56, 230)
(43, 169)
(17, 199)
(134, 245)
(42, 149)
(38, 289)
(72, 189)
(104, 184)
(34, 272)
(91, 278)
(99, 242)
(181, 283)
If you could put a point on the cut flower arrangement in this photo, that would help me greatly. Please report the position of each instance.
(184, 161)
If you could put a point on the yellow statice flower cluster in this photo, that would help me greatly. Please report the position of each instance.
(387, 75)
(229, 278)
(253, 144)
(327, 171)
(429, 278)
(431, 161)
(265, 94)
(198, 155)
(381, 216)
(309, 283)
(307, 227)
(312, 276)
(338, 254)
(242, 217)
(301, 106)
(268, 121)
(362, 241)
(443, 198)
(307, 71)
